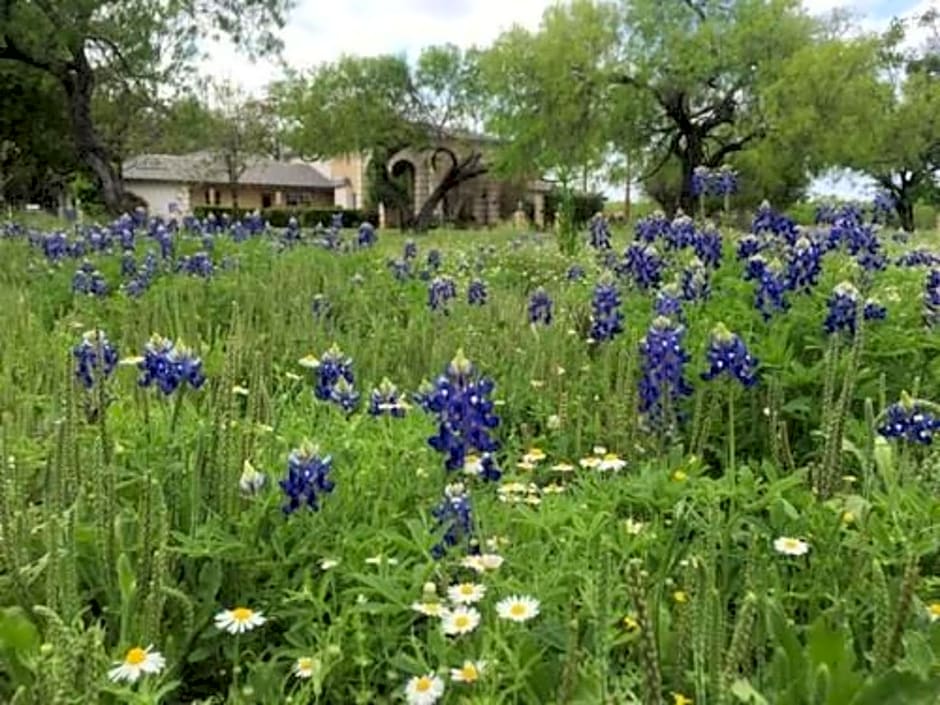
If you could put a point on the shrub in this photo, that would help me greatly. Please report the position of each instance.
(308, 217)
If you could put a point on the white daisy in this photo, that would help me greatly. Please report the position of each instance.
(473, 465)
(599, 450)
(483, 563)
(790, 546)
(424, 690)
(428, 609)
(533, 456)
(380, 559)
(251, 481)
(563, 467)
(634, 528)
(137, 662)
(590, 462)
(518, 608)
(460, 620)
(611, 461)
(328, 563)
(309, 361)
(469, 672)
(466, 593)
(238, 620)
(305, 667)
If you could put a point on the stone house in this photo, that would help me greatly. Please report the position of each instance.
(481, 201)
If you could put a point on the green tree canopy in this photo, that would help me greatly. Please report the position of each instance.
(124, 47)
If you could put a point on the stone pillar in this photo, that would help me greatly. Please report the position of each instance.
(492, 204)
(278, 198)
(383, 218)
(539, 214)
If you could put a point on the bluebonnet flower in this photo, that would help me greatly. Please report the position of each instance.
(454, 517)
(707, 245)
(440, 291)
(804, 265)
(165, 239)
(476, 292)
(575, 273)
(770, 289)
(332, 367)
(292, 233)
(308, 478)
(344, 395)
(825, 214)
(724, 182)
(95, 358)
(606, 318)
(727, 354)
(668, 303)
(254, 223)
(460, 400)
(874, 311)
(843, 309)
(932, 298)
(681, 233)
(386, 399)
(366, 236)
(88, 280)
(768, 222)
(643, 263)
(126, 236)
(411, 250)
(400, 268)
(169, 365)
(748, 246)
(663, 383)
(128, 265)
(434, 260)
(694, 282)
(55, 246)
(882, 207)
(599, 230)
(909, 420)
(652, 227)
(699, 184)
(540, 307)
(918, 258)
(199, 265)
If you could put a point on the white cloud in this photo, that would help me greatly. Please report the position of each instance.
(319, 31)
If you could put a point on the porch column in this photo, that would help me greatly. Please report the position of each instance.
(539, 214)
(278, 198)
(492, 204)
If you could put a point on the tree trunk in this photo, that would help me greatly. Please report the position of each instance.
(628, 183)
(78, 80)
(459, 172)
(905, 210)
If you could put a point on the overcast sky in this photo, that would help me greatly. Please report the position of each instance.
(319, 31)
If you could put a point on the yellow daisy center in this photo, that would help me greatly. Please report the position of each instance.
(518, 610)
(461, 621)
(305, 664)
(680, 597)
(791, 544)
(469, 672)
(611, 456)
(466, 589)
(423, 685)
(934, 609)
(241, 614)
(135, 656)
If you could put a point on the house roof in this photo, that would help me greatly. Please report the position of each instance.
(207, 168)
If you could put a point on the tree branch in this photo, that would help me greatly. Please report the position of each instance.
(735, 146)
(11, 52)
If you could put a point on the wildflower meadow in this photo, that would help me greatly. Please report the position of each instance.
(684, 463)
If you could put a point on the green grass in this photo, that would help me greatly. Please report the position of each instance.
(130, 528)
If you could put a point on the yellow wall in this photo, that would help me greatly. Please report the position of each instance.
(250, 197)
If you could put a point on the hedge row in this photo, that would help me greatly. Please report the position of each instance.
(307, 217)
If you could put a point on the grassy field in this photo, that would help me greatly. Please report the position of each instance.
(758, 543)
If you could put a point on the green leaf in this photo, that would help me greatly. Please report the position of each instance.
(17, 632)
(744, 691)
(127, 581)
